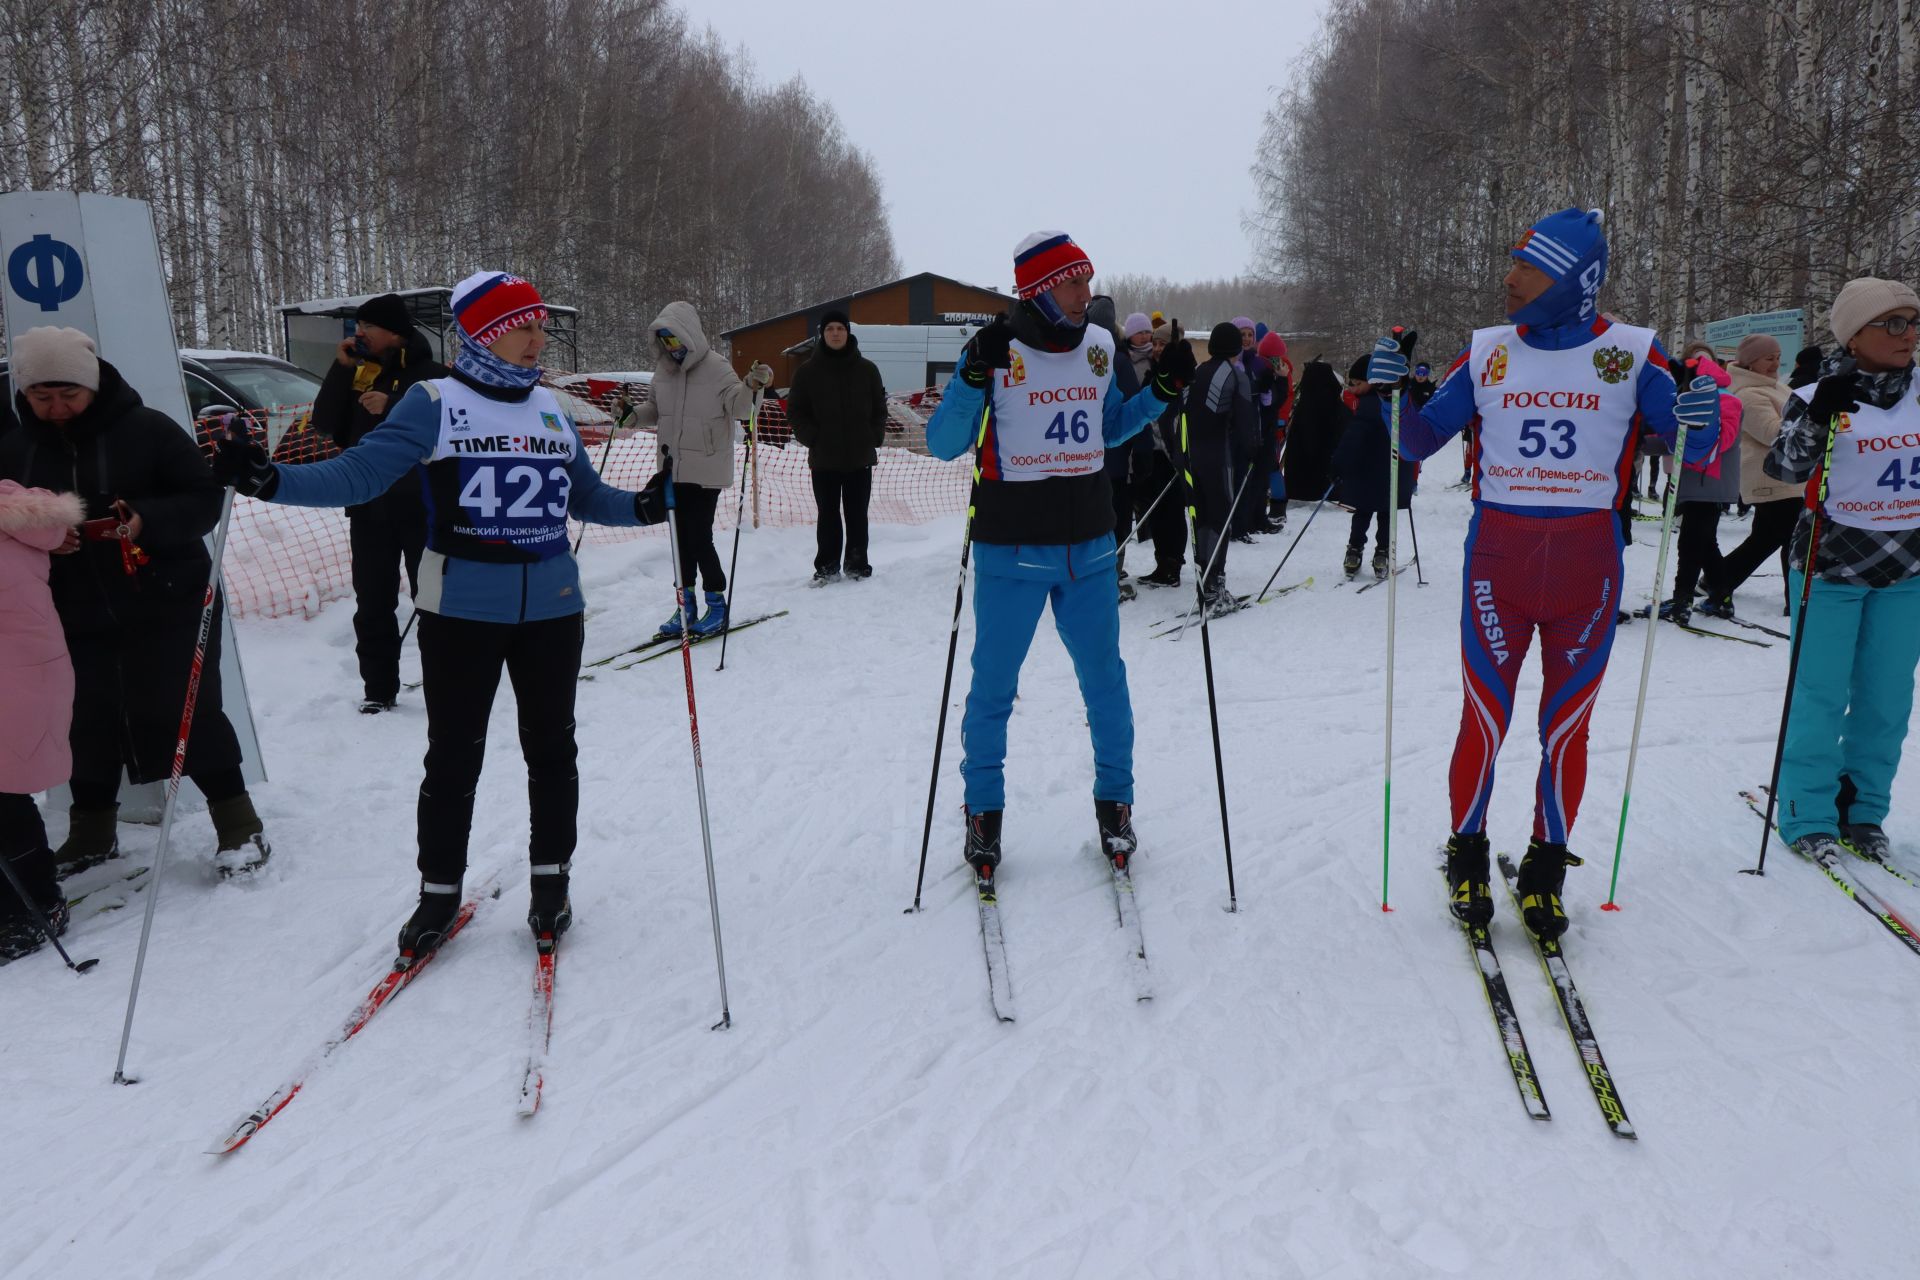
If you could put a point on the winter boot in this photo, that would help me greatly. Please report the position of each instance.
(1867, 840)
(423, 934)
(671, 627)
(242, 840)
(1352, 563)
(821, 577)
(716, 615)
(551, 911)
(1467, 877)
(1379, 565)
(374, 706)
(859, 572)
(93, 836)
(1117, 840)
(1542, 872)
(19, 932)
(1169, 577)
(983, 842)
(1127, 590)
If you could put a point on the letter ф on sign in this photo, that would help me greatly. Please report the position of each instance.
(45, 272)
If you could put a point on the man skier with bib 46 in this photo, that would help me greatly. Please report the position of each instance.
(1035, 394)
(1553, 399)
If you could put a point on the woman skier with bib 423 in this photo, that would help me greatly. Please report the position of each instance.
(1552, 398)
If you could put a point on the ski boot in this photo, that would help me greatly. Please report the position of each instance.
(93, 836)
(1675, 611)
(716, 615)
(1542, 872)
(1161, 578)
(1379, 566)
(1467, 877)
(242, 841)
(422, 934)
(1867, 840)
(1717, 606)
(1820, 847)
(1352, 563)
(372, 706)
(859, 572)
(1218, 600)
(20, 933)
(671, 627)
(1127, 589)
(1117, 840)
(821, 577)
(550, 912)
(983, 843)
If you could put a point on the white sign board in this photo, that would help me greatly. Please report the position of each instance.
(1787, 327)
(92, 263)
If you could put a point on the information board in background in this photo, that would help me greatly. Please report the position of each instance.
(92, 263)
(1788, 327)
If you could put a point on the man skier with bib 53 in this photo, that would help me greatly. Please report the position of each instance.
(1553, 399)
(1035, 393)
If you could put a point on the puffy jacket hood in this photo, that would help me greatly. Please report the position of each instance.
(681, 320)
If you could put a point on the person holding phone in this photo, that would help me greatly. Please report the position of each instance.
(371, 370)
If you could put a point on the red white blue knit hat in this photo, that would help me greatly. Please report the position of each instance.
(489, 303)
(1046, 259)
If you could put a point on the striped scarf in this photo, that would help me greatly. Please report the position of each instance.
(490, 370)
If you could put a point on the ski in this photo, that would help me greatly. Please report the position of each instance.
(1574, 1013)
(539, 1024)
(999, 984)
(1869, 901)
(1690, 629)
(673, 645)
(1171, 626)
(1756, 801)
(1127, 908)
(1752, 626)
(1381, 582)
(405, 969)
(1269, 599)
(1505, 1020)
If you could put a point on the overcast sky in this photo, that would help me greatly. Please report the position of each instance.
(1130, 125)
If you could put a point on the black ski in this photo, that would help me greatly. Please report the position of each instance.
(1751, 626)
(1505, 1020)
(661, 646)
(1574, 1013)
(999, 984)
(1381, 582)
(1690, 629)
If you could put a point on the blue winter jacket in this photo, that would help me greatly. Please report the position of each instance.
(473, 589)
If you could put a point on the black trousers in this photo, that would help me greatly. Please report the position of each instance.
(842, 497)
(382, 541)
(23, 843)
(128, 693)
(1773, 525)
(1253, 503)
(693, 508)
(1357, 531)
(460, 663)
(1698, 547)
(1167, 526)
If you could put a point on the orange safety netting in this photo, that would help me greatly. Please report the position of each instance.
(283, 560)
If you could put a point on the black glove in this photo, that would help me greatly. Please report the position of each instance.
(1172, 369)
(989, 349)
(240, 460)
(650, 504)
(1832, 396)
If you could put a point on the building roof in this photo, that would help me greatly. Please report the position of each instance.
(847, 299)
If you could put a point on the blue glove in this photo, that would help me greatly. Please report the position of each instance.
(1699, 405)
(1387, 364)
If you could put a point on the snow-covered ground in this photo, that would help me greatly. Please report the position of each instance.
(1316, 1091)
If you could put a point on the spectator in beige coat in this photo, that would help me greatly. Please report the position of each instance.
(1776, 505)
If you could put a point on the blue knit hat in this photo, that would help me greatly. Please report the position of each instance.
(1572, 249)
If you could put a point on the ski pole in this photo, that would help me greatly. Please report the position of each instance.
(1219, 548)
(1393, 578)
(1296, 542)
(39, 917)
(953, 647)
(1799, 638)
(120, 1075)
(739, 511)
(1420, 578)
(1670, 502)
(699, 771)
(1140, 525)
(1206, 654)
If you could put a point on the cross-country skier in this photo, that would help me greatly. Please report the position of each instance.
(1035, 391)
(1552, 399)
(502, 468)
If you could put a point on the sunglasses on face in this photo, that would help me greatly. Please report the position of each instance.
(1894, 325)
(668, 340)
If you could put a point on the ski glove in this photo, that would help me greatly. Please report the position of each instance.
(650, 504)
(240, 460)
(1698, 405)
(1832, 396)
(1388, 364)
(989, 349)
(759, 377)
(1173, 369)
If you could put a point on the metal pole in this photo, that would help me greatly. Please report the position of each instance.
(1393, 578)
(1219, 546)
(1296, 542)
(39, 917)
(1420, 578)
(733, 563)
(173, 781)
(1206, 654)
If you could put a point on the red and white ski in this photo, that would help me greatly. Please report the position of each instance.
(539, 1024)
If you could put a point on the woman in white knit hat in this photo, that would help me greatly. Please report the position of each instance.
(1853, 690)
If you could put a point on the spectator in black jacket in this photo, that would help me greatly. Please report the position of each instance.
(369, 374)
(1222, 425)
(130, 605)
(1363, 461)
(838, 409)
(1157, 467)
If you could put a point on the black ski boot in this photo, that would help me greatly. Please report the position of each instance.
(1379, 565)
(983, 843)
(551, 911)
(1352, 563)
(1542, 872)
(19, 933)
(1117, 840)
(1467, 877)
(421, 935)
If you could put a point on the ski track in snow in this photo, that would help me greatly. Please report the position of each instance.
(1315, 1091)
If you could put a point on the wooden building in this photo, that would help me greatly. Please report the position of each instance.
(925, 299)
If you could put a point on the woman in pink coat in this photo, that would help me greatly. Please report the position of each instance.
(36, 702)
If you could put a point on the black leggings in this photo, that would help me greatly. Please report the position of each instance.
(21, 830)
(1357, 531)
(1698, 547)
(1773, 525)
(693, 508)
(460, 664)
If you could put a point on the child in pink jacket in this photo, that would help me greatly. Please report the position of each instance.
(36, 703)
